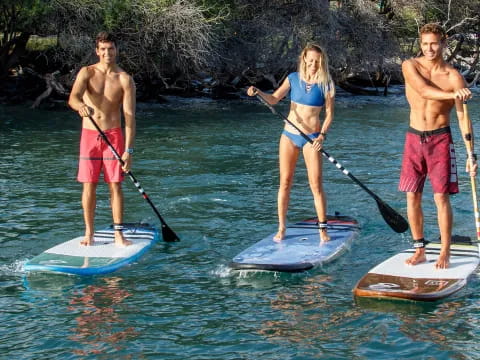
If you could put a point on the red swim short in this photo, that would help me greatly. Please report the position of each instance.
(429, 153)
(95, 155)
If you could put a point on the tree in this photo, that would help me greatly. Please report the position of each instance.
(19, 19)
(157, 38)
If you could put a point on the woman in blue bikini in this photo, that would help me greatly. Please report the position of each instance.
(311, 89)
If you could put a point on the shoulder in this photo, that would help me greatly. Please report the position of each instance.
(125, 79)
(410, 64)
(455, 77)
(292, 76)
(86, 72)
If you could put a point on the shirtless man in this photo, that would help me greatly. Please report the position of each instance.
(433, 87)
(100, 90)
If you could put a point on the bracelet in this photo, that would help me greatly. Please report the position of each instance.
(324, 134)
(129, 150)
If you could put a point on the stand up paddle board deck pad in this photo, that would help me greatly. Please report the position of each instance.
(301, 249)
(100, 258)
(422, 282)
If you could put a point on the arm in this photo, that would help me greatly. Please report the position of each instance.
(466, 129)
(417, 82)
(75, 101)
(129, 103)
(274, 98)
(329, 107)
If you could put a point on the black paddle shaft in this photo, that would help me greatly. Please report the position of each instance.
(391, 217)
(167, 233)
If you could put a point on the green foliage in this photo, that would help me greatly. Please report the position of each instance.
(116, 13)
(24, 15)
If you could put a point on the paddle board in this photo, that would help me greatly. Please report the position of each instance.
(100, 258)
(301, 249)
(422, 282)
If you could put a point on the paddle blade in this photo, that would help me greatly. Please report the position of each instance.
(168, 234)
(392, 218)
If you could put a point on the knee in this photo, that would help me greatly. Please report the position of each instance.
(414, 199)
(442, 200)
(286, 184)
(115, 188)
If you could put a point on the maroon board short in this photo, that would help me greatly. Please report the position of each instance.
(429, 153)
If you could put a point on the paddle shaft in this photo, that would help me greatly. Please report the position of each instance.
(469, 145)
(394, 220)
(168, 234)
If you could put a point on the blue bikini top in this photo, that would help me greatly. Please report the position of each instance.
(303, 93)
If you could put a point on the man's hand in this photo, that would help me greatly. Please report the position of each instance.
(471, 165)
(85, 111)
(127, 162)
(463, 94)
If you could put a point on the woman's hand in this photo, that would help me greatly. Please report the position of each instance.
(252, 91)
(318, 142)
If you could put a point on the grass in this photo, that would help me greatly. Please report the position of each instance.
(40, 43)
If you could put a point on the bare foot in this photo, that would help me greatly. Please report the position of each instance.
(280, 235)
(87, 240)
(324, 237)
(417, 258)
(120, 239)
(443, 261)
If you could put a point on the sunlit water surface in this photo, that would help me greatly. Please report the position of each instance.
(211, 169)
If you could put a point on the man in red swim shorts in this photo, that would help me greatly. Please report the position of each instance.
(100, 91)
(432, 87)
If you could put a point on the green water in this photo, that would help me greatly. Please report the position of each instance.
(211, 170)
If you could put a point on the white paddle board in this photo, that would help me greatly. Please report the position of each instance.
(100, 258)
(422, 282)
(301, 249)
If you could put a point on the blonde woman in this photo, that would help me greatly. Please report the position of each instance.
(311, 89)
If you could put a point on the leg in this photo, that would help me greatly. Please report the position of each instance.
(313, 161)
(116, 200)
(89, 201)
(445, 220)
(288, 155)
(415, 218)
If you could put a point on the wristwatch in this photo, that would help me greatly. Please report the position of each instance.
(129, 150)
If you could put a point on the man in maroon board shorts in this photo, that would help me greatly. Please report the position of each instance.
(101, 90)
(432, 87)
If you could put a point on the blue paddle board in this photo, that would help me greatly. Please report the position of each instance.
(301, 249)
(100, 258)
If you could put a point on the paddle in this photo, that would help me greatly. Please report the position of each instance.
(468, 138)
(391, 217)
(167, 233)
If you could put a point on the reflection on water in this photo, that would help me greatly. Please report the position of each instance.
(100, 327)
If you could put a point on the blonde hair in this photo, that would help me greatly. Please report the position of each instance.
(433, 28)
(322, 77)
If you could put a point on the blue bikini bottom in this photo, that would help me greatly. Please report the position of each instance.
(299, 140)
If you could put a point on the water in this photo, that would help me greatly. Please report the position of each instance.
(211, 170)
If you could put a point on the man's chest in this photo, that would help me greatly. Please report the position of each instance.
(439, 79)
(109, 87)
